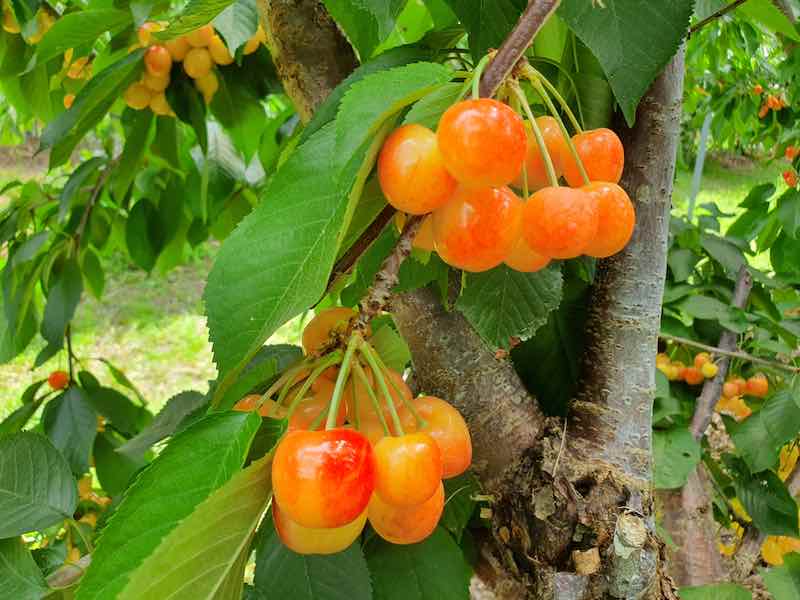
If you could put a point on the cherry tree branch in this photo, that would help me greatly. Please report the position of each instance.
(713, 17)
(732, 353)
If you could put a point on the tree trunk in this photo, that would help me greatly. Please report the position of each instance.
(573, 519)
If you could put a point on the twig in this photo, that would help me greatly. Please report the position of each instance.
(101, 181)
(70, 355)
(514, 46)
(70, 573)
(721, 12)
(727, 343)
(733, 354)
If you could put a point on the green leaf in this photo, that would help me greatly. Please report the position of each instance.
(20, 578)
(35, 86)
(280, 573)
(366, 24)
(459, 505)
(91, 104)
(370, 102)
(783, 582)
(434, 569)
(165, 422)
(75, 182)
(123, 414)
(192, 467)
(237, 23)
(504, 303)
(195, 14)
(197, 558)
(789, 212)
(768, 15)
(703, 307)
(114, 469)
(430, 108)
(137, 135)
(79, 28)
(487, 23)
(144, 234)
(769, 503)
(651, 32)
(724, 252)
(121, 378)
(62, 300)
(18, 419)
(262, 369)
(717, 591)
(93, 273)
(675, 455)
(682, 262)
(758, 439)
(71, 424)
(392, 348)
(36, 487)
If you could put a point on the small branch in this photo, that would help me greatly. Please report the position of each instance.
(727, 343)
(721, 12)
(514, 46)
(98, 188)
(733, 354)
(70, 355)
(386, 278)
(70, 573)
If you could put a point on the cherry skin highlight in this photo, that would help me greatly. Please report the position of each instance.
(482, 142)
(559, 222)
(476, 230)
(308, 540)
(448, 428)
(616, 219)
(408, 468)
(411, 172)
(602, 155)
(406, 524)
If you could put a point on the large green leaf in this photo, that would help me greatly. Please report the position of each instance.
(262, 369)
(767, 14)
(431, 107)
(77, 29)
(71, 424)
(459, 503)
(36, 486)
(675, 455)
(434, 569)
(90, 105)
(195, 464)
(62, 300)
(280, 573)
(137, 136)
(114, 470)
(20, 578)
(123, 414)
(145, 233)
(76, 181)
(487, 23)
(199, 557)
(769, 503)
(504, 303)
(783, 582)
(195, 14)
(366, 24)
(789, 212)
(716, 591)
(237, 23)
(632, 39)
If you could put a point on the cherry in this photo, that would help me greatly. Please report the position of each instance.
(476, 230)
(709, 370)
(523, 259)
(58, 380)
(757, 386)
(408, 468)
(693, 376)
(701, 358)
(208, 86)
(366, 410)
(741, 385)
(323, 478)
(730, 389)
(307, 411)
(483, 142)
(559, 222)
(616, 219)
(308, 540)
(318, 331)
(219, 51)
(156, 83)
(197, 63)
(791, 152)
(259, 37)
(790, 177)
(602, 155)
(68, 100)
(269, 408)
(201, 36)
(557, 147)
(411, 172)
(178, 48)
(158, 60)
(406, 524)
(159, 104)
(758, 89)
(448, 428)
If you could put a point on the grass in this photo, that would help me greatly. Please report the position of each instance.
(153, 328)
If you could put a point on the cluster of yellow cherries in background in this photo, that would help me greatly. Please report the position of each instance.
(199, 51)
(44, 19)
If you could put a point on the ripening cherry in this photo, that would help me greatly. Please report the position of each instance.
(709, 370)
(178, 48)
(730, 389)
(58, 380)
(701, 358)
(602, 155)
(791, 152)
(157, 60)
(197, 63)
(741, 386)
(318, 331)
(156, 83)
(200, 37)
(269, 408)
(411, 172)
(790, 177)
(559, 222)
(757, 386)
(68, 100)
(483, 142)
(534, 162)
(406, 524)
(137, 96)
(323, 478)
(309, 409)
(525, 260)
(448, 428)
(307, 540)
(219, 51)
(355, 392)
(693, 376)
(476, 230)
(208, 86)
(145, 32)
(408, 468)
(615, 219)
(758, 89)
(373, 430)
(159, 104)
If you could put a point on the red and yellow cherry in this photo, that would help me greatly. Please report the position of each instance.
(557, 148)
(701, 358)
(323, 478)
(482, 142)
(58, 380)
(178, 47)
(448, 428)
(730, 389)
(693, 376)
(616, 219)
(757, 386)
(476, 230)
(602, 155)
(318, 331)
(406, 524)
(525, 260)
(741, 385)
(269, 408)
(197, 63)
(308, 540)
(411, 172)
(559, 222)
(158, 61)
(408, 468)
(200, 37)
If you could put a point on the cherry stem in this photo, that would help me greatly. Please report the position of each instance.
(379, 378)
(537, 85)
(476, 76)
(376, 405)
(421, 423)
(534, 75)
(537, 133)
(515, 104)
(344, 373)
(320, 367)
(288, 375)
(84, 539)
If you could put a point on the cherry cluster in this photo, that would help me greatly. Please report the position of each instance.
(381, 455)
(733, 391)
(461, 175)
(675, 370)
